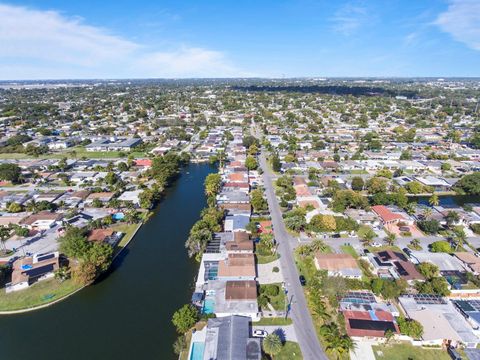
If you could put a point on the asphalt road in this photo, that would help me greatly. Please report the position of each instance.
(304, 329)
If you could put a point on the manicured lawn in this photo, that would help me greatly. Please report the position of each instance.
(265, 259)
(37, 294)
(128, 230)
(279, 321)
(348, 249)
(406, 351)
(362, 230)
(79, 152)
(290, 351)
(383, 248)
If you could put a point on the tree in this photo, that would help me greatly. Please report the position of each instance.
(14, 207)
(10, 172)
(390, 239)
(276, 164)
(180, 345)
(441, 246)
(459, 237)
(410, 327)
(452, 218)
(434, 201)
(368, 236)
(4, 235)
(320, 223)
(258, 202)
(272, 345)
(468, 184)
(251, 163)
(429, 226)
(428, 270)
(213, 183)
(377, 185)
(357, 183)
(414, 187)
(184, 318)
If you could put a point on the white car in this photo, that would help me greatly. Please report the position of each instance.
(260, 333)
(376, 244)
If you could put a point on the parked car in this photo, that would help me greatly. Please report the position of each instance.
(302, 279)
(366, 251)
(407, 251)
(260, 333)
(376, 244)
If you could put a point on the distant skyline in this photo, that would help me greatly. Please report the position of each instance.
(53, 39)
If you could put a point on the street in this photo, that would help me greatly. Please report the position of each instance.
(303, 324)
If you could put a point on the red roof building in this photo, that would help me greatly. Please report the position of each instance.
(387, 216)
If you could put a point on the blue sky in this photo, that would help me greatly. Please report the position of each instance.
(131, 39)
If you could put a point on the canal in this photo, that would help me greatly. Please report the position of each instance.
(126, 315)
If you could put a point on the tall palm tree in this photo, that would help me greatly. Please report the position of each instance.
(427, 212)
(415, 243)
(434, 200)
(390, 239)
(460, 238)
(4, 235)
(272, 345)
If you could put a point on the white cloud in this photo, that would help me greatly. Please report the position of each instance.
(46, 44)
(349, 18)
(462, 21)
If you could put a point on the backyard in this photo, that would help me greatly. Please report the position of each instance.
(37, 294)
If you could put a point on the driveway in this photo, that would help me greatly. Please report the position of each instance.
(363, 351)
(285, 332)
(266, 275)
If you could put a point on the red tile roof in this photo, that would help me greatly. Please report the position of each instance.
(386, 214)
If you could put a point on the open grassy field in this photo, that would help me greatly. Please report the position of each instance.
(406, 351)
(40, 293)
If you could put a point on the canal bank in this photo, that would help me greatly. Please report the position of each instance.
(128, 313)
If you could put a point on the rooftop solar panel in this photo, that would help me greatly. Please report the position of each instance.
(371, 325)
(46, 257)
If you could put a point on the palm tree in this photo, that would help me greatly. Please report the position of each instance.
(368, 236)
(411, 208)
(434, 201)
(390, 239)
(272, 345)
(415, 243)
(4, 235)
(452, 218)
(318, 245)
(460, 238)
(427, 212)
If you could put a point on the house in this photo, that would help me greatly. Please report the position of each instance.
(237, 267)
(30, 269)
(43, 220)
(443, 324)
(236, 222)
(225, 338)
(131, 197)
(372, 323)
(108, 236)
(470, 261)
(394, 265)
(343, 265)
(104, 197)
(387, 216)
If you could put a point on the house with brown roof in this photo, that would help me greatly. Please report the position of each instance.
(43, 220)
(241, 243)
(343, 265)
(237, 267)
(470, 261)
(370, 324)
(241, 290)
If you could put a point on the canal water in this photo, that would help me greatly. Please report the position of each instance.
(126, 315)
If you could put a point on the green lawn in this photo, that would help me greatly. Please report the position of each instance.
(290, 351)
(265, 259)
(79, 153)
(37, 294)
(128, 230)
(383, 248)
(278, 321)
(348, 249)
(406, 351)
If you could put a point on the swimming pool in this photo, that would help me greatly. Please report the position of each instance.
(208, 306)
(118, 216)
(197, 351)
